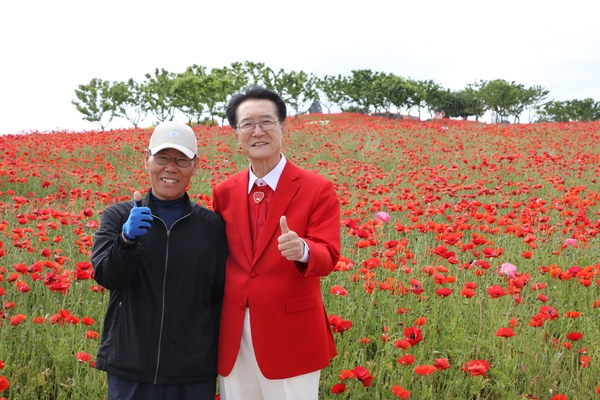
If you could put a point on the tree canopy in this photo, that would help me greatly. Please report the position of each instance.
(200, 96)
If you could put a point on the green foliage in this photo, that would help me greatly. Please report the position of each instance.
(94, 101)
(158, 94)
(570, 110)
(198, 94)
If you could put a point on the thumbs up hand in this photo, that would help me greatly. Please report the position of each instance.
(139, 220)
(290, 244)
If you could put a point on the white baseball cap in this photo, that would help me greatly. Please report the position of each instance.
(174, 135)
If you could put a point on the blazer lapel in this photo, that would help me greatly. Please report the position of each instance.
(282, 197)
(239, 196)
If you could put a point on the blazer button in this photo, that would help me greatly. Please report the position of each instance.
(253, 275)
(242, 306)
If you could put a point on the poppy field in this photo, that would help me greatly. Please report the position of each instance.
(470, 263)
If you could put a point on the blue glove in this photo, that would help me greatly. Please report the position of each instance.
(138, 222)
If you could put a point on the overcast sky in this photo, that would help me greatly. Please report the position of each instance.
(48, 48)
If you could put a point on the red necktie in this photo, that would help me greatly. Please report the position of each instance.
(258, 206)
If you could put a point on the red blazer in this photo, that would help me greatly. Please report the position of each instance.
(290, 331)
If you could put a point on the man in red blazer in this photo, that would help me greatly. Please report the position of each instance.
(283, 230)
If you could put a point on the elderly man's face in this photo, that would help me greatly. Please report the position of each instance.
(262, 147)
(169, 181)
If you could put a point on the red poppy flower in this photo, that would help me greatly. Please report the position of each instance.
(527, 254)
(346, 374)
(537, 321)
(492, 253)
(416, 287)
(496, 291)
(413, 335)
(400, 392)
(339, 325)
(505, 332)
(425, 369)
(338, 388)
(91, 335)
(468, 293)
(538, 286)
(559, 396)
(549, 312)
(420, 321)
(4, 383)
(407, 359)
(574, 336)
(363, 375)
(441, 363)
(476, 367)
(572, 314)
(402, 344)
(338, 290)
(83, 356)
(443, 252)
(443, 292)
(584, 361)
(17, 319)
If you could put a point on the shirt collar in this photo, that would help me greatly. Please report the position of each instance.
(272, 178)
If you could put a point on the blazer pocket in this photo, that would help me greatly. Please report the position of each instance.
(302, 303)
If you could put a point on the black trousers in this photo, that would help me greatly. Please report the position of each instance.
(124, 389)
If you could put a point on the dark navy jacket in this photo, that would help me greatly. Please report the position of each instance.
(166, 290)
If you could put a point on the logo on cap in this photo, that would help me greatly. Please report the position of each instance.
(174, 134)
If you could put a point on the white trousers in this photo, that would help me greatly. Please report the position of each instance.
(246, 382)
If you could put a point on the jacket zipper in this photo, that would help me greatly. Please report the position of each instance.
(162, 313)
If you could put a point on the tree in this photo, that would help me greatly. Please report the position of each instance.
(473, 101)
(399, 92)
(535, 95)
(500, 97)
(128, 100)
(449, 103)
(569, 110)
(94, 102)
(158, 94)
(187, 91)
(332, 88)
(431, 92)
(381, 92)
(526, 99)
(219, 85)
(585, 110)
(299, 90)
(255, 73)
(359, 88)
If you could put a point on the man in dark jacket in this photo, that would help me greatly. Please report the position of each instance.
(163, 259)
